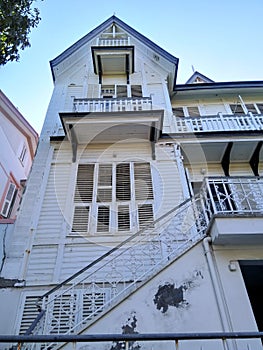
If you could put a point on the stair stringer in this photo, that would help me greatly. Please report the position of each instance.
(135, 288)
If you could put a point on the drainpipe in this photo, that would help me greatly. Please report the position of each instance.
(222, 308)
(181, 170)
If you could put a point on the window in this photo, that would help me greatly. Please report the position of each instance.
(193, 111)
(236, 109)
(23, 154)
(121, 91)
(178, 112)
(112, 197)
(9, 200)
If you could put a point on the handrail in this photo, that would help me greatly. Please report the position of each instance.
(61, 338)
(96, 261)
(101, 258)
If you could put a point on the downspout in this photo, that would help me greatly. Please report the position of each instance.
(222, 308)
(181, 171)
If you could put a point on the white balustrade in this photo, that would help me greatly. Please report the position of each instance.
(112, 104)
(219, 122)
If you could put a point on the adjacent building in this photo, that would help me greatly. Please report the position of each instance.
(143, 210)
(18, 141)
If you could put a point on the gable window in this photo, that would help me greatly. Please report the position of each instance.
(121, 91)
(112, 198)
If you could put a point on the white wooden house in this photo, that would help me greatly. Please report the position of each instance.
(143, 211)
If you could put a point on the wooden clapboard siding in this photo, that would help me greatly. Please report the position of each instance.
(240, 169)
(73, 91)
(53, 206)
(42, 263)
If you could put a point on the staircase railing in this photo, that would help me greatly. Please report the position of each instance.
(72, 304)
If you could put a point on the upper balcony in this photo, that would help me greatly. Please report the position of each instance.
(113, 55)
(233, 209)
(112, 104)
(110, 120)
(218, 123)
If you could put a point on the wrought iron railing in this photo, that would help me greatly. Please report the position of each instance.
(231, 195)
(177, 341)
(112, 104)
(70, 306)
(219, 123)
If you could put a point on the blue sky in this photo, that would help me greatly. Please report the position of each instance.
(222, 39)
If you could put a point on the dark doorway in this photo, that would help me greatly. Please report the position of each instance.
(252, 271)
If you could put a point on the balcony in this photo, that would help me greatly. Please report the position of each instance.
(219, 123)
(111, 120)
(112, 104)
(233, 209)
(113, 56)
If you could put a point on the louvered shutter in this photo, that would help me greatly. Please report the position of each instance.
(103, 220)
(145, 212)
(143, 181)
(81, 219)
(9, 199)
(93, 303)
(84, 185)
(104, 191)
(63, 314)
(123, 218)
(30, 312)
(136, 91)
(123, 182)
(121, 91)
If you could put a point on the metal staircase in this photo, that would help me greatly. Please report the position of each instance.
(74, 304)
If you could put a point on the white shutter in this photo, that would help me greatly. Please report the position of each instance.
(8, 200)
(84, 185)
(145, 213)
(104, 191)
(30, 312)
(123, 218)
(93, 303)
(103, 220)
(63, 315)
(81, 219)
(143, 181)
(123, 183)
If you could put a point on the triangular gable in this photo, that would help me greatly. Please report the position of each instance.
(198, 78)
(101, 28)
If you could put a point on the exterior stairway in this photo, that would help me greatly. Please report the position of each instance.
(74, 304)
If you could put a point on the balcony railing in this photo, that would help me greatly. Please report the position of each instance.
(232, 195)
(113, 42)
(219, 122)
(112, 104)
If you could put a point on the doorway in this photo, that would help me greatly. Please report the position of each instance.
(252, 271)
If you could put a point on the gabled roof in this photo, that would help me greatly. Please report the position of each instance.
(95, 32)
(198, 78)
